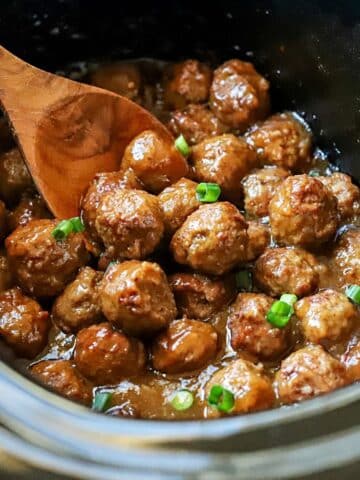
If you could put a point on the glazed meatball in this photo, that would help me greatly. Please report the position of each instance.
(286, 270)
(136, 297)
(303, 212)
(196, 123)
(154, 160)
(62, 377)
(185, 345)
(79, 304)
(248, 383)
(30, 208)
(23, 324)
(3, 220)
(345, 259)
(200, 297)
(283, 140)
(326, 317)
(239, 96)
(351, 359)
(259, 188)
(129, 223)
(177, 203)
(14, 176)
(249, 329)
(259, 239)
(347, 194)
(307, 373)
(6, 278)
(41, 265)
(121, 78)
(212, 240)
(187, 82)
(106, 356)
(224, 160)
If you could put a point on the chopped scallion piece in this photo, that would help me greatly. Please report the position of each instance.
(243, 280)
(353, 292)
(77, 224)
(289, 298)
(221, 398)
(281, 311)
(182, 400)
(101, 401)
(314, 173)
(208, 192)
(182, 146)
(65, 227)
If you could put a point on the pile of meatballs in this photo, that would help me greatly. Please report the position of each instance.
(140, 292)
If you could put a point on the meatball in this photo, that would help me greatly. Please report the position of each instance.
(3, 220)
(177, 203)
(200, 297)
(239, 96)
(259, 188)
(79, 305)
(23, 324)
(287, 270)
(196, 123)
(154, 160)
(259, 239)
(185, 345)
(212, 240)
(303, 212)
(121, 78)
(345, 258)
(308, 372)
(283, 140)
(30, 208)
(6, 278)
(106, 356)
(351, 359)
(224, 160)
(251, 388)
(347, 194)
(326, 317)
(62, 377)
(136, 297)
(129, 223)
(14, 176)
(41, 265)
(187, 82)
(249, 329)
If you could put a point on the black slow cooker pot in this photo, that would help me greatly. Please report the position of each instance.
(311, 54)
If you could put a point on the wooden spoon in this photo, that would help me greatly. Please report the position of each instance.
(67, 131)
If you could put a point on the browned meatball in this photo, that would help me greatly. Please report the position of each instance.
(239, 96)
(185, 345)
(62, 377)
(187, 82)
(154, 160)
(30, 208)
(308, 372)
(345, 259)
(79, 305)
(129, 223)
(14, 176)
(41, 265)
(198, 296)
(224, 160)
(303, 212)
(106, 356)
(347, 194)
(287, 270)
(351, 359)
(3, 220)
(283, 140)
(249, 329)
(23, 324)
(6, 278)
(212, 240)
(259, 188)
(121, 78)
(326, 317)
(248, 383)
(196, 123)
(136, 297)
(259, 239)
(177, 203)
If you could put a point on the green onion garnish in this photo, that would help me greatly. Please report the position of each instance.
(282, 310)
(182, 400)
(182, 146)
(65, 227)
(208, 192)
(243, 280)
(353, 292)
(101, 401)
(314, 173)
(221, 398)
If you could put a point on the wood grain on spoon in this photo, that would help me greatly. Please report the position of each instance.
(67, 131)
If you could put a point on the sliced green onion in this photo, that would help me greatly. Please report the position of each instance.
(282, 310)
(221, 398)
(208, 192)
(77, 224)
(101, 401)
(288, 298)
(182, 146)
(65, 227)
(353, 292)
(314, 173)
(182, 400)
(243, 280)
